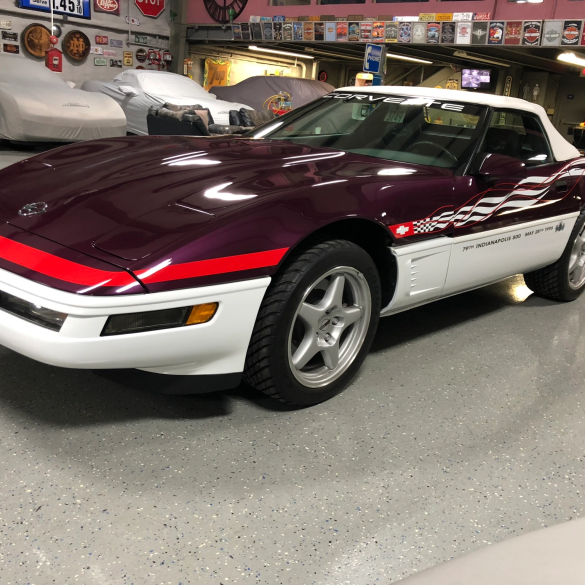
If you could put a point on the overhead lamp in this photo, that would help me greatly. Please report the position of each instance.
(572, 59)
(330, 54)
(465, 55)
(263, 50)
(405, 58)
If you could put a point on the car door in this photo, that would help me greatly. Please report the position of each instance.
(516, 222)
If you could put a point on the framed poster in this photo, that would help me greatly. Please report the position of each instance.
(256, 30)
(391, 32)
(513, 32)
(319, 31)
(341, 28)
(365, 32)
(448, 33)
(237, 32)
(551, 33)
(277, 31)
(433, 33)
(378, 32)
(308, 31)
(571, 32)
(531, 30)
(464, 33)
(77, 8)
(479, 33)
(330, 31)
(287, 31)
(419, 32)
(496, 32)
(297, 31)
(405, 32)
(267, 31)
(353, 31)
(246, 36)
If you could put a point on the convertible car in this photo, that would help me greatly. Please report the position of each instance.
(36, 105)
(272, 256)
(136, 91)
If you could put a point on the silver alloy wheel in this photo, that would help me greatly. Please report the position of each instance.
(329, 327)
(577, 261)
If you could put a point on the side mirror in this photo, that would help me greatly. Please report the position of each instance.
(498, 166)
(128, 90)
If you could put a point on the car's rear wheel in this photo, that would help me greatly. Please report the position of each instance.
(316, 324)
(565, 279)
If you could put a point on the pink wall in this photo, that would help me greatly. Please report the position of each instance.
(499, 8)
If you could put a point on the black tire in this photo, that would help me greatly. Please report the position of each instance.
(552, 281)
(267, 363)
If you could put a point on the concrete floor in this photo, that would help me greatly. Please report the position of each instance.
(465, 427)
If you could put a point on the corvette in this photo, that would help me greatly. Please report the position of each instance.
(272, 256)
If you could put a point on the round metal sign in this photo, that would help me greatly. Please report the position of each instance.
(76, 45)
(141, 55)
(36, 40)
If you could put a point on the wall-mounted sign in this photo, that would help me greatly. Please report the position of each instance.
(100, 40)
(373, 58)
(479, 33)
(508, 86)
(551, 33)
(278, 18)
(9, 36)
(496, 33)
(151, 8)
(118, 43)
(427, 16)
(531, 32)
(35, 38)
(6, 24)
(482, 16)
(217, 72)
(448, 33)
(463, 33)
(141, 39)
(128, 60)
(96, 51)
(78, 8)
(76, 45)
(513, 32)
(108, 6)
(116, 63)
(444, 17)
(100, 62)
(14, 49)
(419, 32)
(132, 21)
(571, 32)
(110, 53)
(141, 55)
(463, 16)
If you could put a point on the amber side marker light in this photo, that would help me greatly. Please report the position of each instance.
(155, 320)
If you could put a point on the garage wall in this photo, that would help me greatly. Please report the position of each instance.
(114, 27)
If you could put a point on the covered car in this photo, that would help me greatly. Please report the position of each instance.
(36, 105)
(137, 90)
(254, 91)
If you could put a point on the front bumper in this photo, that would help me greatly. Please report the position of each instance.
(216, 347)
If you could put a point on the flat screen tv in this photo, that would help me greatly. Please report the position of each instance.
(475, 78)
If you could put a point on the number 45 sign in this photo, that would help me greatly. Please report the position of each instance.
(78, 8)
(152, 8)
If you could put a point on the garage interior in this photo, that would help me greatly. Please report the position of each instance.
(462, 429)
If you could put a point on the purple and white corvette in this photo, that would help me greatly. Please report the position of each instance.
(272, 257)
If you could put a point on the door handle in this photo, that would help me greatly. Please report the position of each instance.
(561, 185)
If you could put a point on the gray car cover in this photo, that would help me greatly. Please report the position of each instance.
(255, 90)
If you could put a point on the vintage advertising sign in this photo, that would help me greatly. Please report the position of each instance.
(245, 33)
(366, 32)
(433, 33)
(419, 32)
(391, 32)
(482, 16)
(128, 60)
(496, 32)
(141, 55)
(287, 31)
(427, 16)
(378, 31)
(531, 30)
(479, 33)
(100, 62)
(405, 32)
(330, 34)
(444, 16)
(513, 32)
(150, 8)
(100, 40)
(77, 8)
(96, 51)
(237, 32)
(36, 40)
(217, 72)
(341, 28)
(116, 63)
(118, 43)
(278, 19)
(108, 6)
(463, 33)
(5, 24)
(110, 53)
(551, 33)
(9, 36)
(267, 31)
(140, 39)
(448, 33)
(319, 31)
(297, 31)
(571, 32)
(14, 49)
(308, 31)
(462, 16)
(353, 31)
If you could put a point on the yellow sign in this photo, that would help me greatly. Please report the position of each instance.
(444, 16)
(452, 84)
(128, 58)
(217, 72)
(427, 17)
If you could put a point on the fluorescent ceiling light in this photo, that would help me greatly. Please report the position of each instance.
(263, 50)
(572, 59)
(328, 54)
(405, 58)
(465, 55)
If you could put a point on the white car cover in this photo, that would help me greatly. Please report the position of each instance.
(154, 88)
(36, 105)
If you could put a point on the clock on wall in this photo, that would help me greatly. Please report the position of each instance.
(224, 11)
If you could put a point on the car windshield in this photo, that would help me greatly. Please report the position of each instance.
(174, 85)
(401, 128)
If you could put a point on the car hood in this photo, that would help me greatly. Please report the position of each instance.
(129, 197)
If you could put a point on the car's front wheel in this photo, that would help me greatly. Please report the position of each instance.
(316, 324)
(565, 279)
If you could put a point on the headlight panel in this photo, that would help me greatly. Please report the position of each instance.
(30, 312)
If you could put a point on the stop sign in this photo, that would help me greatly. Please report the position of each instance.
(151, 8)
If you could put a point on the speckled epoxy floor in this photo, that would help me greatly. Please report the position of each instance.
(465, 427)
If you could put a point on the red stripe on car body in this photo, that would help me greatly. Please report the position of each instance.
(59, 268)
(215, 266)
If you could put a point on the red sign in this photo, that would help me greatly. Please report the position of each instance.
(99, 40)
(109, 6)
(482, 16)
(152, 8)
